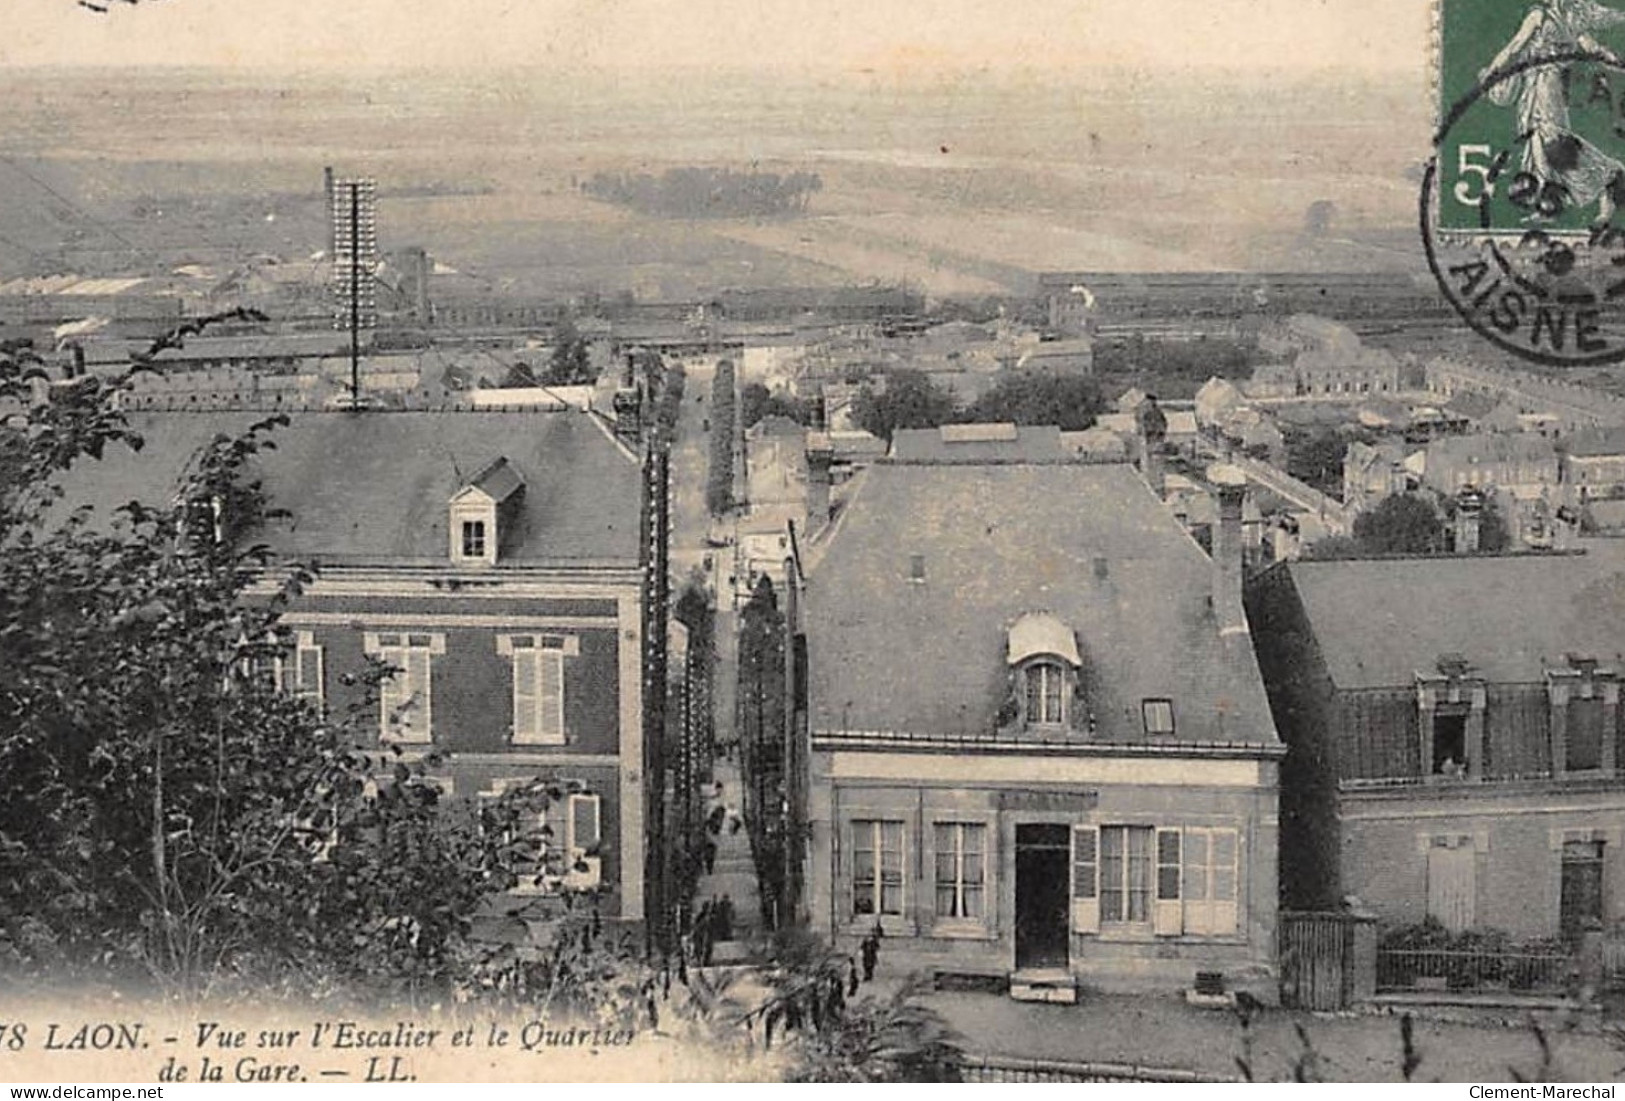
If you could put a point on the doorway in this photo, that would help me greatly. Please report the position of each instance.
(1043, 867)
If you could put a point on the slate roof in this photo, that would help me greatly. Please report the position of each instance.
(1000, 541)
(1490, 448)
(498, 481)
(375, 487)
(1596, 442)
(1380, 621)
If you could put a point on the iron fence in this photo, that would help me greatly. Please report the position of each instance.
(1470, 970)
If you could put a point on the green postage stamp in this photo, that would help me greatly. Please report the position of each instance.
(1521, 206)
(1532, 114)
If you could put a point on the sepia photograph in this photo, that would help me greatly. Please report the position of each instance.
(764, 541)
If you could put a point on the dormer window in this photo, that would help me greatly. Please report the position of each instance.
(483, 511)
(1046, 683)
(1043, 656)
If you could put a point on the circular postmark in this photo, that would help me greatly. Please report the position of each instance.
(1519, 208)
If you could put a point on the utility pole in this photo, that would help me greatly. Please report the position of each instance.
(355, 295)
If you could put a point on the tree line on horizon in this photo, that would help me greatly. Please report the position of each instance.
(694, 192)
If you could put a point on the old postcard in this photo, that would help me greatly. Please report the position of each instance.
(777, 542)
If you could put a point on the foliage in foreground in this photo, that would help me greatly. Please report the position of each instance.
(174, 819)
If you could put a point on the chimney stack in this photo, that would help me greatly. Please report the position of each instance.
(1230, 486)
(1152, 431)
(1469, 505)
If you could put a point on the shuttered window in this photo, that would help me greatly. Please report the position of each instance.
(538, 686)
(406, 696)
(1211, 867)
(1178, 880)
(307, 670)
(1452, 885)
(1085, 879)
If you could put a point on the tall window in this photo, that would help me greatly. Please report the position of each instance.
(1452, 880)
(473, 538)
(538, 686)
(585, 810)
(1046, 698)
(877, 867)
(1126, 868)
(1449, 743)
(301, 673)
(1580, 901)
(1585, 734)
(1210, 860)
(961, 858)
(405, 697)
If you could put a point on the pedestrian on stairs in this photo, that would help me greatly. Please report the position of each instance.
(870, 952)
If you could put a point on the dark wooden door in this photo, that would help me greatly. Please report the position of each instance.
(1043, 865)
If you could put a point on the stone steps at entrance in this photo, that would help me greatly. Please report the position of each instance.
(1057, 986)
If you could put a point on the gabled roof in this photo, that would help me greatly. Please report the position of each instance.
(374, 487)
(498, 481)
(1089, 544)
(1378, 622)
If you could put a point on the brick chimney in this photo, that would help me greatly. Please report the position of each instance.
(1230, 487)
(1469, 506)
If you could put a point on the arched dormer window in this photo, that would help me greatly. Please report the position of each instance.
(1045, 685)
(1043, 655)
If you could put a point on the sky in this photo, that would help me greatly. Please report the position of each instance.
(890, 37)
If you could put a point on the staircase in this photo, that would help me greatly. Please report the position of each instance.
(1044, 985)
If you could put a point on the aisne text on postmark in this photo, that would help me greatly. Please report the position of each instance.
(1521, 207)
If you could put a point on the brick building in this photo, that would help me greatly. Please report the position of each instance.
(1454, 736)
(493, 559)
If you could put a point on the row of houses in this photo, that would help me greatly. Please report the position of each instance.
(1053, 741)
(1044, 735)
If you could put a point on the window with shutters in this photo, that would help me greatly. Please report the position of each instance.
(1085, 879)
(300, 673)
(529, 840)
(1452, 882)
(1168, 881)
(406, 696)
(1126, 867)
(1211, 875)
(877, 868)
(961, 871)
(538, 685)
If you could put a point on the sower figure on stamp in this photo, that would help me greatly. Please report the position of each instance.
(1552, 152)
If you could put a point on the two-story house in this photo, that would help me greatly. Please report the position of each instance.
(1454, 736)
(1040, 748)
(493, 561)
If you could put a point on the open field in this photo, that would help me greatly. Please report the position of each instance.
(961, 187)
